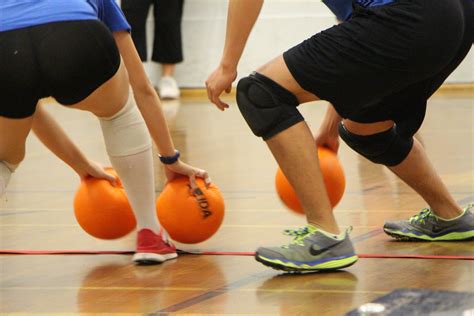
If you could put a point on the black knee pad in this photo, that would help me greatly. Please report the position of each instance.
(387, 148)
(267, 107)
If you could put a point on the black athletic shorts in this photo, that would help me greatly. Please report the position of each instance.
(66, 60)
(386, 61)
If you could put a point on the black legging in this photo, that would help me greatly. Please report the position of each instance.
(167, 46)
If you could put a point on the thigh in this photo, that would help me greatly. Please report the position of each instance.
(407, 107)
(20, 76)
(378, 52)
(13, 133)
(432, 84)
(365, 129)
(108, 98)
(75, 58)
(278, 71)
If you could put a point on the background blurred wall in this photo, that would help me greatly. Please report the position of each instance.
(282, 24)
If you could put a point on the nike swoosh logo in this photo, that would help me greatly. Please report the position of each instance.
(317, 252)
(436, 229)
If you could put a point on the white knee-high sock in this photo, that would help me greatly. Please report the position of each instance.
(136, 173)
(128, 144)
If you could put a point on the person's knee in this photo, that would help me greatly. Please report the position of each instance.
(267, 107)
(387, 148)
(125, 133)
(14, 154)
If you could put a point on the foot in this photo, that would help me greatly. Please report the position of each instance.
(427, 226)
(310, 251)
(152, 249)
(168, 88)
(5, 174)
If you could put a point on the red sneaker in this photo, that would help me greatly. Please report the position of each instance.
(152, 249)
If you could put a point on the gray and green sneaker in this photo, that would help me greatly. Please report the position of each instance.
(310, 251)
(428, 227)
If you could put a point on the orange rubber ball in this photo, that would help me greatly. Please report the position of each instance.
(103, 210)
(333, 176)
(190, 218)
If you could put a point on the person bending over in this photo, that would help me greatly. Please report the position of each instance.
(388, 58)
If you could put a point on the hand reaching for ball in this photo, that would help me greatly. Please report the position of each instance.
(95, 170)
(180, 168)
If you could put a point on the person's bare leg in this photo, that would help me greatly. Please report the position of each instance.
(365, 129)
(295, 151)
(134, 164)
(416, 171)
(13, 133)
(167, 70)
(109, 98)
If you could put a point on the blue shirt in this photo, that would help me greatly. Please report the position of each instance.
(110, 14)
(343, 8)
(16, 14)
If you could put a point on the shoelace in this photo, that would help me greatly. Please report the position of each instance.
(296, 232)
(420, 217)
(299, 235)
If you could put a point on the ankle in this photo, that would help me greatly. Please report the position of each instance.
(449, 213)
(330, 229)
(450, 217)
(335, 236)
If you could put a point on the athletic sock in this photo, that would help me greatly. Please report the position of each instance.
(341, 236)
(136, 173)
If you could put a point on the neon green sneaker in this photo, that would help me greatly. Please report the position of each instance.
(427, 226)
(310, 251)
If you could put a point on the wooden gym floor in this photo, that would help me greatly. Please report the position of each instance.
(37, 215)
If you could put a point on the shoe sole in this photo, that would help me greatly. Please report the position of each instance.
(145, 258)
(327, 266)
(411, 237)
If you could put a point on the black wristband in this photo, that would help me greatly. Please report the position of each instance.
(170, 159)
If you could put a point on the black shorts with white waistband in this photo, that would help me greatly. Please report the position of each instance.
(65, 60)
(386, 61)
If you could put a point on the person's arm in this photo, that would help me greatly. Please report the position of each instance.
(241, 17)
(145, 95)
(328, 134)
(55, 139)
(149, 105)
